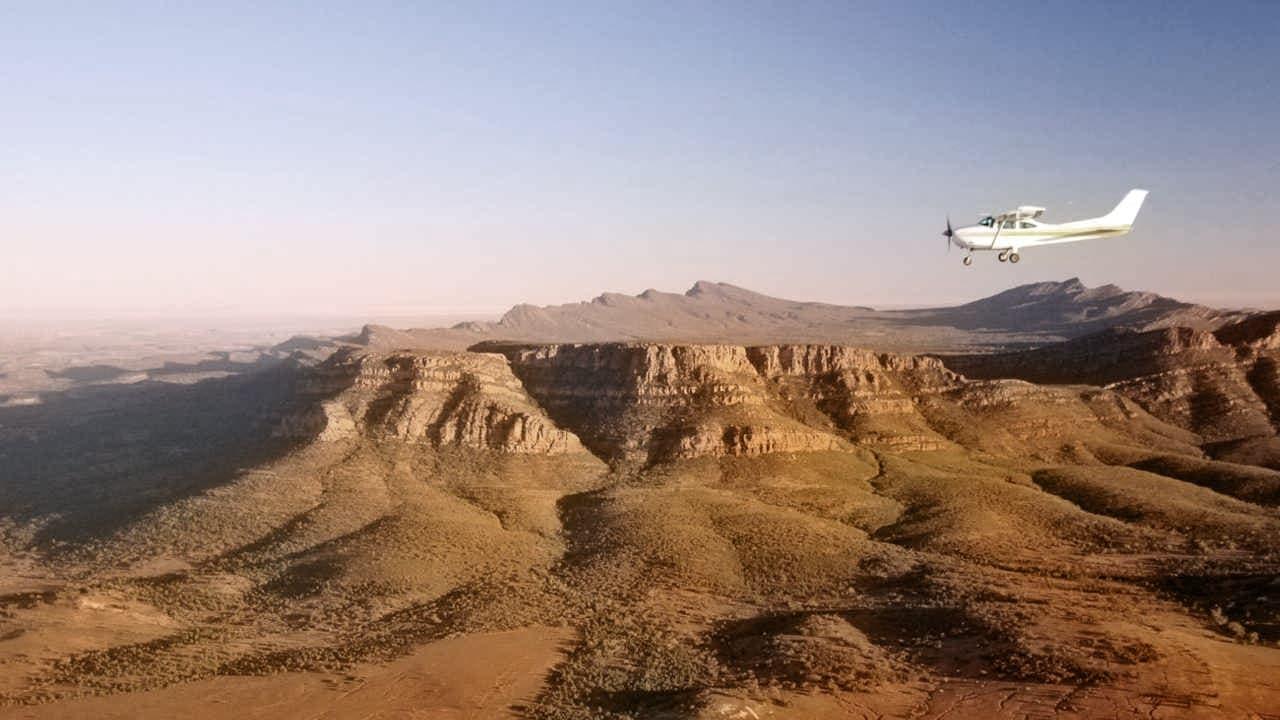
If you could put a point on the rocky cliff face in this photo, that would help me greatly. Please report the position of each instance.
(872, 397)
(1223, 385)
(650, 403)
(1256, 343)
(646, 402)
(439, 398)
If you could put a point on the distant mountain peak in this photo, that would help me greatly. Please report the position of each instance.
(706, 287)
(1072, 286)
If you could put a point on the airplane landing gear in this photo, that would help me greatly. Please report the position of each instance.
(968, 260)
(1004, 256)
(1014, 257)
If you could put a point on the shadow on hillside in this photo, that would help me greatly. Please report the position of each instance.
(1247, 599)
(87, 460)
(90, 373)
(220, 362)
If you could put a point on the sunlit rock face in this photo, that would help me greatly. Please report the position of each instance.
(439, 398)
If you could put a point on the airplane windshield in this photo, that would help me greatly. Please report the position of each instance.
(987, 221)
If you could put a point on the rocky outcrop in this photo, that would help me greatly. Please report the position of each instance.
(1257, 346)
(651, 402)
(1223, 385)
(646, 403)
(1259, 332)
(437, 398)
(871, 397)
(1050, 423)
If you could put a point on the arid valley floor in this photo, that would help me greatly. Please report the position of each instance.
(1057, 502)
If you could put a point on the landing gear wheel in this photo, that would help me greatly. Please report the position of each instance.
(1004, 256)
(968, 260)
(1013, 257)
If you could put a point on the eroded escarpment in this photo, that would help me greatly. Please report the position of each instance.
(438, 398)
(654, 402)
(634, 402)
(1223, 385)
(648, 402)
(868, 396)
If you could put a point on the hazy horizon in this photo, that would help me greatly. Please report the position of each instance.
(250, 162)
(52, 323)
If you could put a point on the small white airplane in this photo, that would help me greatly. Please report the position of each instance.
(1012, 231)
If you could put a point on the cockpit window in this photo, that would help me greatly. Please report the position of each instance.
(1025, 225)
(1009, 224)
(987, 221)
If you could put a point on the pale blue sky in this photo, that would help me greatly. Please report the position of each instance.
(318, 158)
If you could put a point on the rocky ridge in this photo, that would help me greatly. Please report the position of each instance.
(645, 403)
(1223, 384)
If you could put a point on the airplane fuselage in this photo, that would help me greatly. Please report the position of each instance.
(1011, 232)
(980, 237)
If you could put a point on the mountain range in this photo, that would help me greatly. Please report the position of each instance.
(711, 312)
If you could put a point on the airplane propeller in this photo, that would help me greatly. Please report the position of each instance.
(948, 234)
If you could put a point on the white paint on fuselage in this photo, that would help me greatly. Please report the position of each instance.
(1024, 232)
(978, 237)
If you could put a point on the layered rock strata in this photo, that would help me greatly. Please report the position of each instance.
(645, 402)
(1223, 385)
(438, 398)
(648, 403)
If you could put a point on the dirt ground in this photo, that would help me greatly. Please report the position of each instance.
(486, 675)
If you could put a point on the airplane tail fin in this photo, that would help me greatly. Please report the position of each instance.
(1127, 210)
